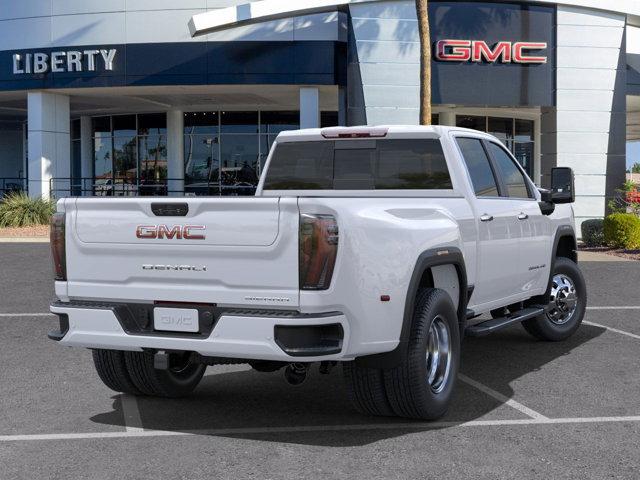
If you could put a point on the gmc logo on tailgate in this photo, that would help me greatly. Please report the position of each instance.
(177, 232)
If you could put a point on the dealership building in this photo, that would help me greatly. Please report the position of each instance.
(157, 97)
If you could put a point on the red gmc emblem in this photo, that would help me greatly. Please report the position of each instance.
(178, 232)
(478, 51)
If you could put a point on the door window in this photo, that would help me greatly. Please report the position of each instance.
(513, 178)
(517, 134)
(479, 167)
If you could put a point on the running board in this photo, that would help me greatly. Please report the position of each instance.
(495, 324)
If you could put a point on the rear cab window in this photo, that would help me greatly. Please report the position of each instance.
(367, 164)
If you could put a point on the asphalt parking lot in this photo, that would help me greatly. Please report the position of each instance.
(523, 408)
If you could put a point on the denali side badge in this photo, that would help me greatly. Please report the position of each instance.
(178, 232)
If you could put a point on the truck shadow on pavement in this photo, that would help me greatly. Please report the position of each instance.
(251, 405)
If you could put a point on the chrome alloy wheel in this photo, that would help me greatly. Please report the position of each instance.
(438, 355)
(563, 300)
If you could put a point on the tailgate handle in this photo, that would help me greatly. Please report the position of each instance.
(170, 209)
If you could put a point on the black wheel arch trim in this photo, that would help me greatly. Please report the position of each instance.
(427, 259)
(563, 231)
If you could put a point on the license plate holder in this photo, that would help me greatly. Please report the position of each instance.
(176, 320)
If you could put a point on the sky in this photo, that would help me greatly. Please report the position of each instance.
(633, 153)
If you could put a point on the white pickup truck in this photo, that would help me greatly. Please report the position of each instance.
(375, 247)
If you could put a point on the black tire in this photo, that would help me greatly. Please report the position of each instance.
(365, 389)
(542, 327)
(112, 370)
(180, 380)
(408, 389)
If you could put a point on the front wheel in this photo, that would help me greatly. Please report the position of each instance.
(567, 304)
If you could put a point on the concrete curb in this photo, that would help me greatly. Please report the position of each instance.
(600, 257)
(24, 239)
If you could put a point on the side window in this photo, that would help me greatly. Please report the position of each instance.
(412, 164)
(511, 175)
(484, 182)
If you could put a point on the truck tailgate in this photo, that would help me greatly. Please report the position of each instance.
(237, 252)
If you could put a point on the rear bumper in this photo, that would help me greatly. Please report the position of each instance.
(243, 334)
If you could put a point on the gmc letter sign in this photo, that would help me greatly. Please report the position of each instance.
(478, 51)
(178, 232)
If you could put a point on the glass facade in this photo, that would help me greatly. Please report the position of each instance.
(517, 134)
(224, 152)
(76, 173)
(130, 154)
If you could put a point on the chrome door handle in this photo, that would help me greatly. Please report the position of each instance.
(523, 216)
(486, 218)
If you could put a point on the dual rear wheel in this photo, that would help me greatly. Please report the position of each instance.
(134, 373)
(421, 386)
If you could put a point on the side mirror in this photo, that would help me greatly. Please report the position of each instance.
(545, 195)
(547, 207)
(562, 185)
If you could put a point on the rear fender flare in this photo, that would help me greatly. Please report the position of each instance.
(427, 259)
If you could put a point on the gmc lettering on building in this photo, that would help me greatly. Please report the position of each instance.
(479, 51)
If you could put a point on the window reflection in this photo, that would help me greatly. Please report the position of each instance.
(239, 164)
(202, 165)
(224, 152)
(125, 165)
(153, 164)
(130, 154)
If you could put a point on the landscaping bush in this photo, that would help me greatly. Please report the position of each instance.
(622, 230)
(20, 210)
(593, 233)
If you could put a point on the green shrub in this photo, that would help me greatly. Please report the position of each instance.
(622, 230)
(20, 210)
(592, 232)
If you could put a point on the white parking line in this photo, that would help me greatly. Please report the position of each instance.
(613, 307)
(316, 428)
(502, 398)
(611, 329)
(131, 413)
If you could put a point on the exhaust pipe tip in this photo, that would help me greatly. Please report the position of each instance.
(295, 374)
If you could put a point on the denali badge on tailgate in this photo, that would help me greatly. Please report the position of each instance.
(178, 232)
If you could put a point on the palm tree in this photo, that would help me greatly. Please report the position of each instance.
(422, 11)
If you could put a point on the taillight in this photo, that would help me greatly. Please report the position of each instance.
(318, 250)
(57, 246)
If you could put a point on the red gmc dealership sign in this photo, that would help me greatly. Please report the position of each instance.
(479, 51)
